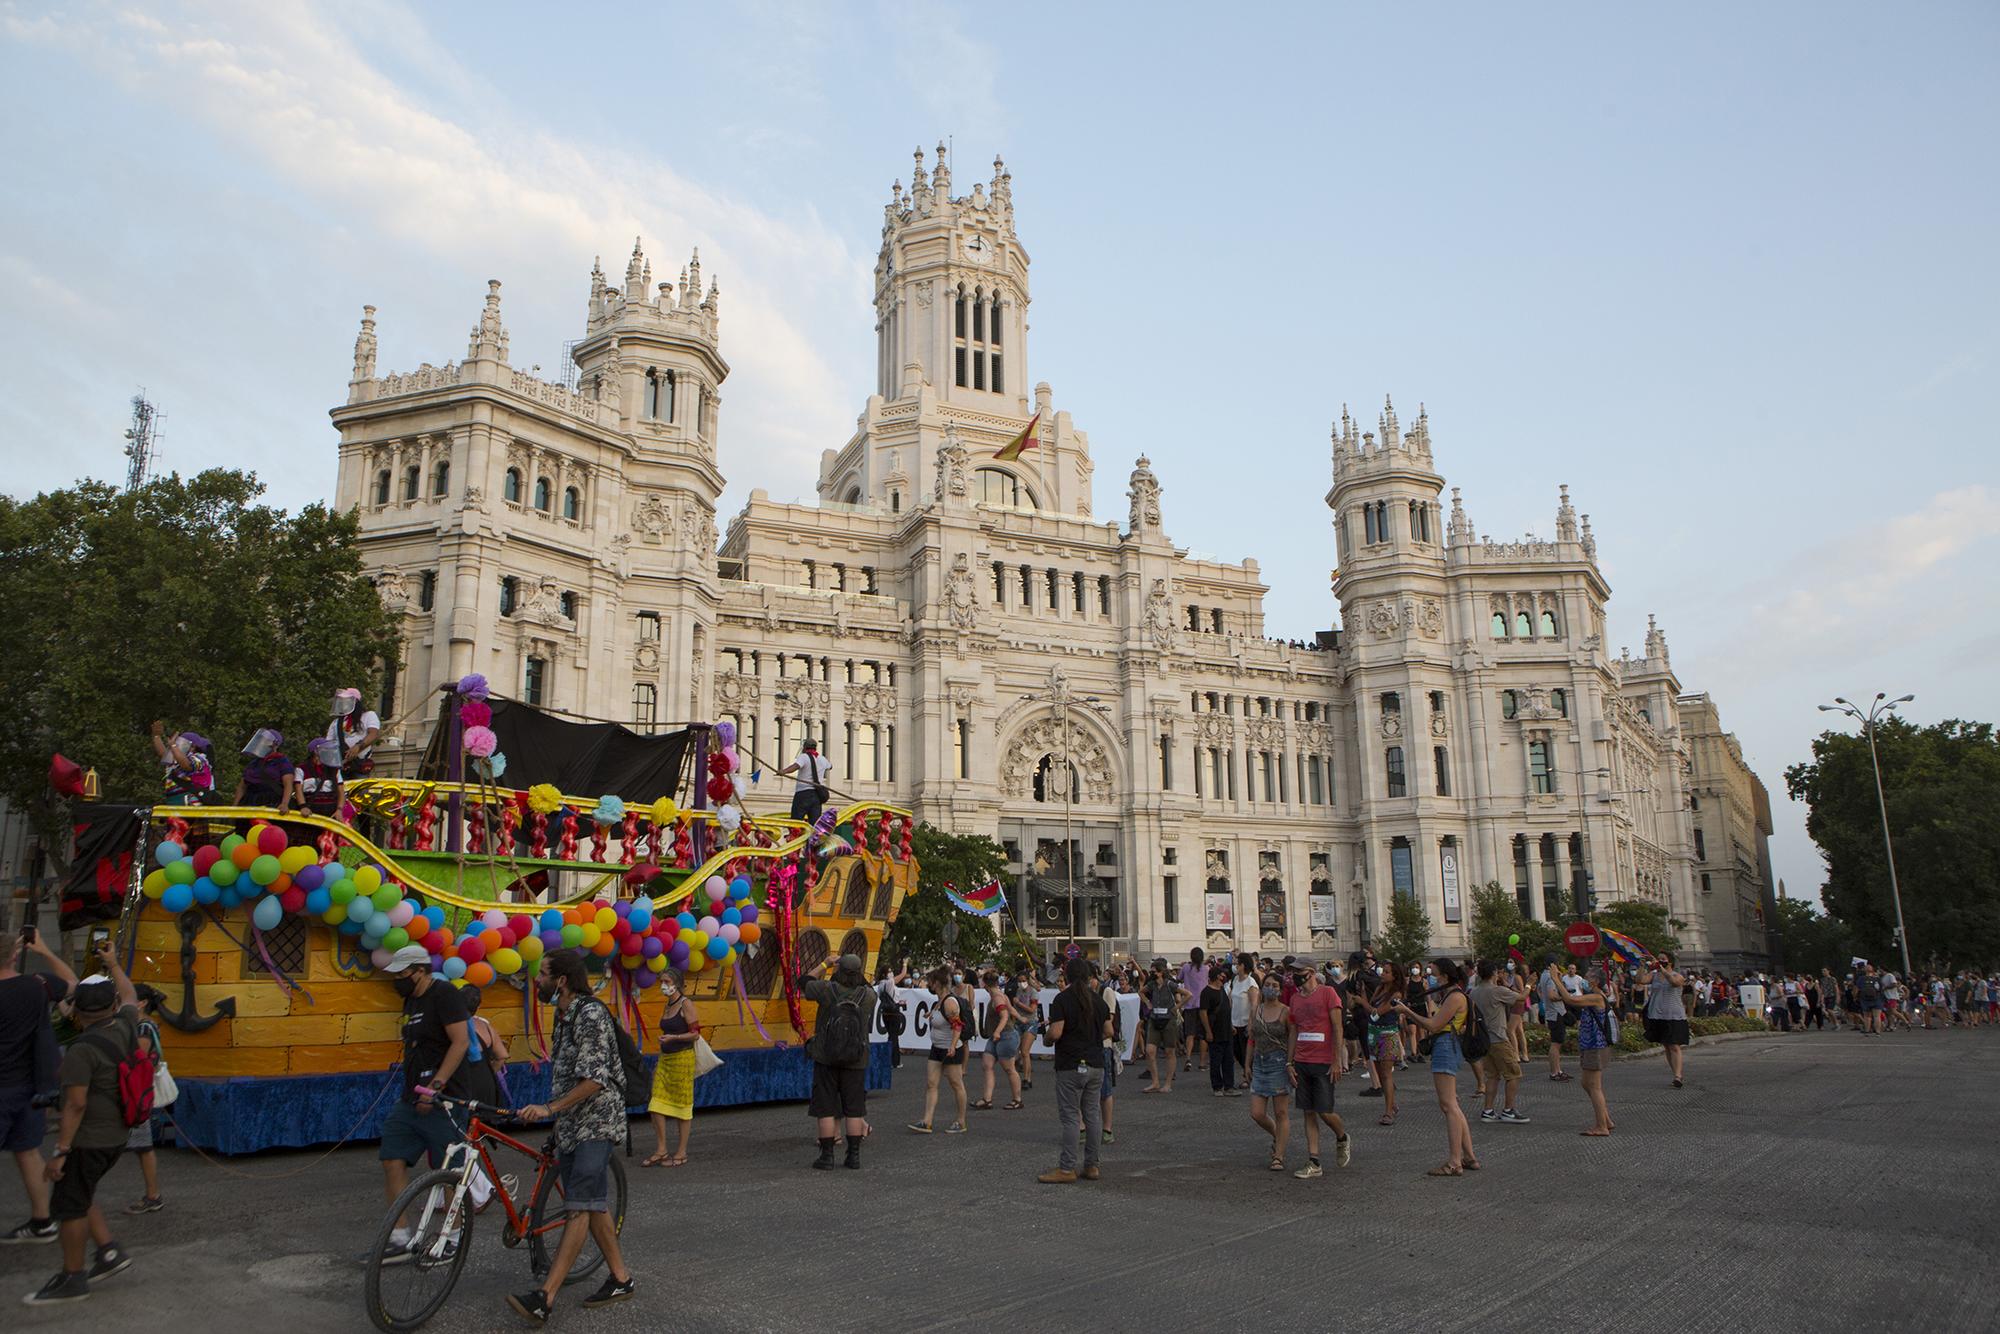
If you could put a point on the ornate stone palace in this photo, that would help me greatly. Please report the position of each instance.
(968, 638)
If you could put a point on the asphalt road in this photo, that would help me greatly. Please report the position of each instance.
(1819, 1182)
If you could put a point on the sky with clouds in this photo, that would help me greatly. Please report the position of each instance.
(1728, 271)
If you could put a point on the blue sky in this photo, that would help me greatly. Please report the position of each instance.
(1728, 271)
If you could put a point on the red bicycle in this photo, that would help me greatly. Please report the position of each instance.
(414, 1265)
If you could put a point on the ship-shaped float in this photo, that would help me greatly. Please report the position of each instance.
(279, 1027)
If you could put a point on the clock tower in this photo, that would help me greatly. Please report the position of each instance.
(951, 357)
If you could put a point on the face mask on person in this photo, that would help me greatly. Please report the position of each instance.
(1271, 992)
(957, 978)
(545, 990)
(406, 986)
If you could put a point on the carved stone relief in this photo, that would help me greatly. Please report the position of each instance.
(1045, 736)
(960, 605)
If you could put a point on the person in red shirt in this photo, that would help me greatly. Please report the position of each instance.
(1315, 1049)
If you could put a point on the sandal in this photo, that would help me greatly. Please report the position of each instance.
(653, 1160)
(1445, 1170)
(674, 1162)
(1277, 1163)
(1594, 1133)
(1014, 1106)
(983, 1105)
(1386, 1121)
(1472, 1164)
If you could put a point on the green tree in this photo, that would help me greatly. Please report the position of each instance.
(1496, 916)
(1645, 922)
(1811, 939)
(1408, 937)
(928, 926)
(184, 601)
(1942, 787)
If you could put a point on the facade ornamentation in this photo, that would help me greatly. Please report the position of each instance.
(545, 604)
(953, 463)
(646, 658)
(737, 692)
(393, 587)
(1382, 620)
(958, 595)
(652, 518)
(1392, 725)
(475, 500)
(364, 346)
(1144, 494)
(1430, 618)
(1214, 868)
(1160, 617)
(871, 701)
(1046, 737)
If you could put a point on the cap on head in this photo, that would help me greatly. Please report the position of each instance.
(96, 995)
(406, 958)
(850, 964)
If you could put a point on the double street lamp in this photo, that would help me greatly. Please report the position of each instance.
(1881, 707)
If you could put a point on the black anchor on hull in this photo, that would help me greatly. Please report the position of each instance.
(185, 1019)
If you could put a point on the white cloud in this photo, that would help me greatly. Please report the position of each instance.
(472, 192)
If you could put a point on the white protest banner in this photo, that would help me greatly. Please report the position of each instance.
(917, 1020)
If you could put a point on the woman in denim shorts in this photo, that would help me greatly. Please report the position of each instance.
(1444, 1025)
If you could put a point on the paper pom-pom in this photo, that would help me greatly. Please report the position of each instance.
(544, 799)
(663, 811)
(726, 734)
(473, 686)
(475, 713)
(720, 790)
(729, 817)
(480, 742)
(495, 765)
(610, 810)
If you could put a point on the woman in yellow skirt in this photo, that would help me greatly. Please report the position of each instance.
(673, 1075)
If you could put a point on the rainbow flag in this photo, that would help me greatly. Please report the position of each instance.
(1628, 949)
(985, 901)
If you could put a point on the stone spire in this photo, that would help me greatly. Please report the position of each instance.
(1589, 540)
(635, 274)
(1458, 526)
(364, 346)
(1003, 186)
(1420, 432)
(920, 185)
(941, 178)
(708, 303)
(1144, 493)
(1656, 640)
(691, 288)
(1391, 431)
(489, 337)
(1565, 517)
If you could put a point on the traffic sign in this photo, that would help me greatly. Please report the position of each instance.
(1582, 939)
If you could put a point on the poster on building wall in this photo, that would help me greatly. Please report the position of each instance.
(1221, 909)
(1271, 909)
(1448, 869)
(1319, 912)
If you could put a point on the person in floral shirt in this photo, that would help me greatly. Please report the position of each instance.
(587, 1100)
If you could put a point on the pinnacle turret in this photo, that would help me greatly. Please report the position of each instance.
(489, 336)
(1565, 517)
(364, 346)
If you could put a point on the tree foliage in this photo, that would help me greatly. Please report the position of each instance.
(1645, 922)
(964, 861)
(1942, 786)
(1812, 940)
(1408, 937)
(1496, 915)
(184, 601)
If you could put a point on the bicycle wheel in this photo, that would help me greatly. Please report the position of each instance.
(406, 1291)
(548, 1207)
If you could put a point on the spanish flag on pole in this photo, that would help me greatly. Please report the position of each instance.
(1021, 443)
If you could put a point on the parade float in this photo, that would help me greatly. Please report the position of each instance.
(265, 931)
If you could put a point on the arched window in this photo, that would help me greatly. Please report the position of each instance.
(1392, 762)
(895, 502)
(572, 503)
(669, 382)
(441, 478)
(650, 404)
(994, 486)
(1549, 624)
(382, 487)
(1499, 625)
(510, 489)
(853, 496)
(1524, 628)
(1048, 784)
(567, 605)
(427, 587)
(1559, 701)
(542, 494)
(413, 480)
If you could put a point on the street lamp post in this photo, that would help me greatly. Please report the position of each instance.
(1882, 707)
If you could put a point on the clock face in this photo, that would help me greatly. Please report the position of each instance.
(977, 251)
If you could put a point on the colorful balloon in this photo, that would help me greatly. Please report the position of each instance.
(271, 840)
(294, 860)
(167, 853)
(155, 884)
(264, 869)
(224, 872)
(268, 913)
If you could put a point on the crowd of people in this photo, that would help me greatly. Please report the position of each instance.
(1283, 1033)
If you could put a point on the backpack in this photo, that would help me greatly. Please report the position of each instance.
(1110, 999)
(135, 1076)
(631, 1064)
(843, 1037)
(1477, 1040)
(894, 1021)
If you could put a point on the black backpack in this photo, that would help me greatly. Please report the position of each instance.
(631, 1063)
(843, 1036)
(894, 1021)
(1477, 1040)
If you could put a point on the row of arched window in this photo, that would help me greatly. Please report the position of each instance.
(1049, 589)
(544, 495)
(1375, 522)
(413, 482)
(1522, 626)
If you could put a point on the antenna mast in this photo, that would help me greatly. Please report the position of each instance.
(142, 441)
